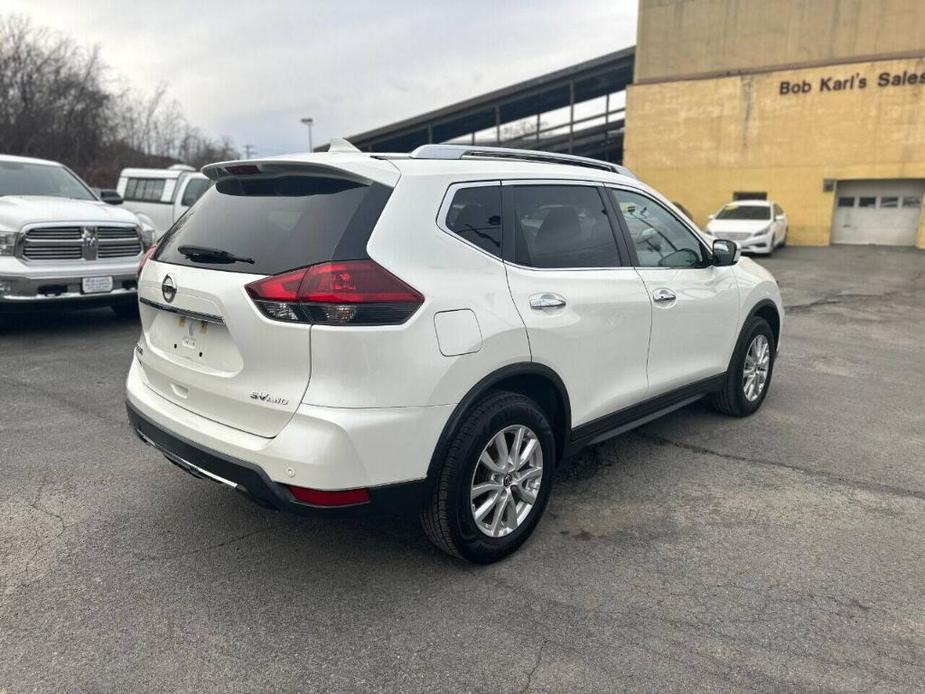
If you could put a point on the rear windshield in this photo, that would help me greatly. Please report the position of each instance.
(267, 224)
(751, 212)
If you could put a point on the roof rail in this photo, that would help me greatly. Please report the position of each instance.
(474, 152)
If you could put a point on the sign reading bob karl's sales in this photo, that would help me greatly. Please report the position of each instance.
(858, 80)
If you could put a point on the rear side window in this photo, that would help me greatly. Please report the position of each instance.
(194, 190)
(475, 215)
(144, 189)
(561, 226)
(268, 224)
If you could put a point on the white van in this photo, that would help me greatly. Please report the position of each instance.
(160, 196)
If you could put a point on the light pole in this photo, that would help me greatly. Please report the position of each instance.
(309, 122)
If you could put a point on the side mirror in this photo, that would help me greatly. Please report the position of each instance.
(110, 197)
(779, 218)
(711, 217)
(725, 252)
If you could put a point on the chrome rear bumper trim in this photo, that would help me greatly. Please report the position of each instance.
(192, 315)
(194, 470)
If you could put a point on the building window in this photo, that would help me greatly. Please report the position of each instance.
(750, 195)
(867, 202)
(891, 201)
(911, 201)
(846, 202)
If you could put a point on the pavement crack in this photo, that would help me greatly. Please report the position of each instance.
(863, 485)
(536, 666)
(838, 299)
(207, 548)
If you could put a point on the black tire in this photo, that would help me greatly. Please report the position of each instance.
(447, 517)
(783, 241)
(126, 309)
(731, 399)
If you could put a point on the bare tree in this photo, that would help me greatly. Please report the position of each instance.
(54, 103)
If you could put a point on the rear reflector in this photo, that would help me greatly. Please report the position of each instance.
(353, 292)
(343, 497)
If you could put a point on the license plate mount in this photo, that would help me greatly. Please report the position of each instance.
(96, 285)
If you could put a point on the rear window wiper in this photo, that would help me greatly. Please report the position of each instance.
(211, 255)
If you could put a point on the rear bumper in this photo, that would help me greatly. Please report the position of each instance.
(253, 482)
(384, 450)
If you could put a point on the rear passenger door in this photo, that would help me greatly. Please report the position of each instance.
(586, 310)
(695, 305)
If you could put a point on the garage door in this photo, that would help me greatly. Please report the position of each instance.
(883, 212)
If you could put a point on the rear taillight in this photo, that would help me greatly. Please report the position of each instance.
(352, 292)
(145, 258)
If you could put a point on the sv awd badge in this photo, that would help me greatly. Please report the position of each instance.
(267, 398)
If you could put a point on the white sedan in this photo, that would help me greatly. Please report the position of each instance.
(757, 226)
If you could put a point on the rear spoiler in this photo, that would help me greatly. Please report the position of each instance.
(353, 167)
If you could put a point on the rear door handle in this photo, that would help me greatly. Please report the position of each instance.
(546, 301)
(663, 296)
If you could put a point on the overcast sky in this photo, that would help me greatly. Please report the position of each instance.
(251, 70)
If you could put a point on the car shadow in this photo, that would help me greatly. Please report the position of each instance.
(389, 541)
(54, 322)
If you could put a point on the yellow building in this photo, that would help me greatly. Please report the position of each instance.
(819, 105)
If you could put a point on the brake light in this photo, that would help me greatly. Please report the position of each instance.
(352, 292)
(145, 258)
(343, 497)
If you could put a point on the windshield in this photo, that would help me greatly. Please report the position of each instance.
(22, 178)
(752, 212)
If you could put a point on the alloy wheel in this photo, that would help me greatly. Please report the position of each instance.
(757, 366)
(506, 481)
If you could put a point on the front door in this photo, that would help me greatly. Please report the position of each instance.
(695, 304)
(587, 313)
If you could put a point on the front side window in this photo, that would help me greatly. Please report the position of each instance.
(561, 226)
(144, 189)
(659, 238)
(475, 215)
(25, 178)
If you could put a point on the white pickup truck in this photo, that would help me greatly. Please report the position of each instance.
(60, 244)
(160, 196)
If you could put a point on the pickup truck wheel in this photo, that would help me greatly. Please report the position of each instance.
(128, 309)
(494, 483)
(749, 374)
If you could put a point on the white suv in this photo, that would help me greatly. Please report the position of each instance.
(434, 332)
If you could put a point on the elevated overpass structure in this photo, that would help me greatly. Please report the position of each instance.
(577, 110)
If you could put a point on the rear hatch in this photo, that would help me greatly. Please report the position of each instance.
(207, 346)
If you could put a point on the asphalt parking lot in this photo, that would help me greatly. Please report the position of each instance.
(699, 553)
